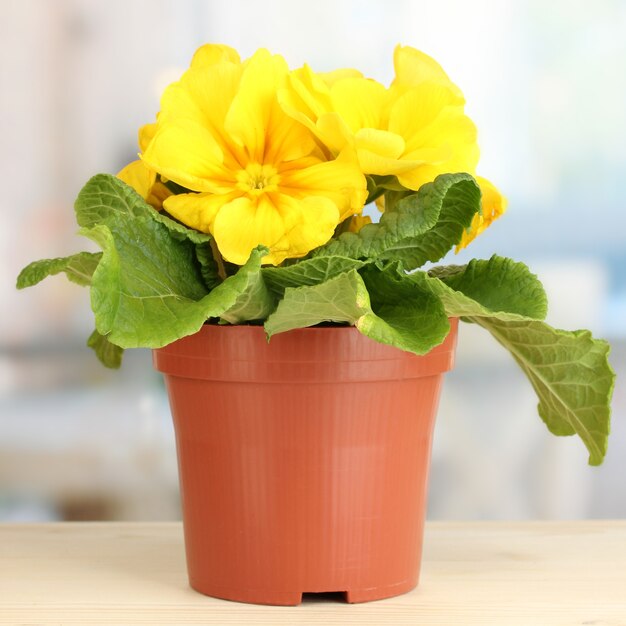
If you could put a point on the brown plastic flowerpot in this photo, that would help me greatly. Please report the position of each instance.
(303, 462)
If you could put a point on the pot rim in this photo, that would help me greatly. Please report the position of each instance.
(303, 355)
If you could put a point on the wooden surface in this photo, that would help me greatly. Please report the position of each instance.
(531, 574)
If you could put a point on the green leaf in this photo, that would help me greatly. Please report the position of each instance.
(108, 353)
(399, 314)
(570, 373)
(403, 314)
(458, 198)
(377, 185)
(308, 272)
(342, 299)
(484, 288)
(208, 266)
(78, 268)
(418, 228)
(254, 300)
(178, 230)
(105, 197)
(147, 290)
(152, 286)
(231, 298)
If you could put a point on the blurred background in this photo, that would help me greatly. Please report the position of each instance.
(546, 84)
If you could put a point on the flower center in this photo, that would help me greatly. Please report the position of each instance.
(257, 178)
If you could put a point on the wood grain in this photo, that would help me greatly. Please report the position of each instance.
(530, 574)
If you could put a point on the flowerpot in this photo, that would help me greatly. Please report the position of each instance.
(303, 462)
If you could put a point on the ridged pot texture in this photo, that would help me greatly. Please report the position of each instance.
(303, 462)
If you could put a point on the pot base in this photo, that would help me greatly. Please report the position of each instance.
(294, 598)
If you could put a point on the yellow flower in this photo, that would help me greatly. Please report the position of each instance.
(143, 179)
(255, 175)
(414, 130)
(493, 206)
(357, 222)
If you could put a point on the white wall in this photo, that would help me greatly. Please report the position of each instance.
(545, 83)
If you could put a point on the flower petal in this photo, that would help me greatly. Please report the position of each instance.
(190, 146)
(306, 94)
(358, 221)
(158, 194)
(414, 111)
(197, 210)
(438, 135)
(249, 114)
(493, 202)
(185, 152)
(306, 98)
(341, 181)
(288, 227)
(457, 153)
(413, 67)
(146, 133)
(359, 101)
(210, 54)
(287, 140)
(333, 132)
(256, 122)
(313, 221)
(139, 177)
(205, 95)
(330, 78)
(245, 223)
(493, 206)
(373, 163)
(382, 142)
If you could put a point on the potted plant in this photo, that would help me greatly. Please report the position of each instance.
(304, 460)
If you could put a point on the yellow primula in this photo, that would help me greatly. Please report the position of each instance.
(143, 179)
(254, 174)
(414, 130)
(493, 206)
(357, 222)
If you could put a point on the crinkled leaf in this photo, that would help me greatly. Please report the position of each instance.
(208, 266)
(108, 353)
(420, 227)
(308, 272)
(570, 373)
(255, 301)
(78, 268)
(458, 199)
(410, 219)
(342, 299)
(401, 315)
(147, 290)
(105, 197)
(404, 315)
(485, 287)
(231, 295)
(178, 230)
